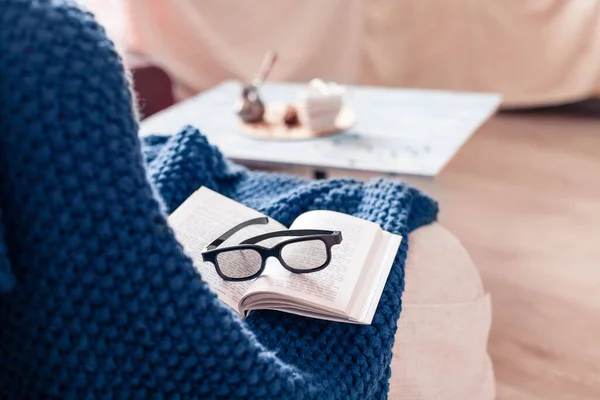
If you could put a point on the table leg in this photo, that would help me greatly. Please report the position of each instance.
(320, 174)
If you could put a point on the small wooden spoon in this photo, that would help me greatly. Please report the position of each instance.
(250, 107)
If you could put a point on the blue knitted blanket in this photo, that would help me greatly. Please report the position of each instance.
(97, 298)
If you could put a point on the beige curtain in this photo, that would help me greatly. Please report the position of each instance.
(205, 42)
(534, 52)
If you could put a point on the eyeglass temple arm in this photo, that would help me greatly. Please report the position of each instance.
(219, 241)
(296, 232)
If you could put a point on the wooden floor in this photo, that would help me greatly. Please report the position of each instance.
(524, 198)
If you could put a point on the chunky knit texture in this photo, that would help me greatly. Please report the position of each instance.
(98, 299)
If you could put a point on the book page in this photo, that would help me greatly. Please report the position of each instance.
(389, 249)
(203, 217)
(334, 286)
(374, 276)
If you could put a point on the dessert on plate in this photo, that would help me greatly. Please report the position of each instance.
(319, 105)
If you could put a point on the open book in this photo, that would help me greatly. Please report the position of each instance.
(347, 290)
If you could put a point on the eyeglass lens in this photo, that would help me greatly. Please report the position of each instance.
(305, 255)
(239, 263)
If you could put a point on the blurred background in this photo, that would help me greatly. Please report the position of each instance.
(523, 194)
(533, 52)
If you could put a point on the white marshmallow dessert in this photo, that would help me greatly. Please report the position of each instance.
(319, 106)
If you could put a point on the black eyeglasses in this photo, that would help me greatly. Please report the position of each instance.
(309, 251)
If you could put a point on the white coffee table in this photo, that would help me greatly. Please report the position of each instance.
(399, 131)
